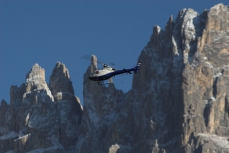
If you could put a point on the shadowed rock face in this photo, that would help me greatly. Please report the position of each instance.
(178, 102)
(101, 105)
(68, 106)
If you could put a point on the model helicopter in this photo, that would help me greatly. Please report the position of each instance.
(108, 72)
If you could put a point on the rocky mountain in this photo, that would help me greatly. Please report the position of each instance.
(178, 103)
(41, 117)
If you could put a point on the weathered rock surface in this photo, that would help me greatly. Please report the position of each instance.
(101, 104)
(37, 119)
(68, 106)
(179, 98)
(178, 103)
(60, 80)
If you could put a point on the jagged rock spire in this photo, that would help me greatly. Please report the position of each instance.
(36, 73)
(60, 80)
(33, 115)
(94, 60)
(35, 78)
(173, 106)
(90, 86)
(3, 103)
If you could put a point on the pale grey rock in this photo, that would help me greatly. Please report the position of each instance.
(208, 143)
(35, 121)
(114, 148)
(35, 79)
(205, 83)
(179, 92)
(36, 114)
(178, 102)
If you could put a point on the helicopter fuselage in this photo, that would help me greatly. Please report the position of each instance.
(104, 74)
(108, 72)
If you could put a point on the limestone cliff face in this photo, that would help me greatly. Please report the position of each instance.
(39, 119)
(179, 98)
(205, 85)
(178, 102)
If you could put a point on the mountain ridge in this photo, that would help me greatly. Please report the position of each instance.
(178, 102)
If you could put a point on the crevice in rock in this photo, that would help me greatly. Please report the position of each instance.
(214, 91)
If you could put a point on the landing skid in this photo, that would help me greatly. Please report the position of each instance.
(102, 83)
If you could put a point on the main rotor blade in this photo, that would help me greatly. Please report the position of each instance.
(112, 64)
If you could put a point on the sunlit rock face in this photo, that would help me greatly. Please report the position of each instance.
(178, 102)
(179, 99)
(205, 85)
(38, 120)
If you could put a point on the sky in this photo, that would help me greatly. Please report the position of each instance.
(47, 31)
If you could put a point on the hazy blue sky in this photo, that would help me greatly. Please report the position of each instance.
(47, 31)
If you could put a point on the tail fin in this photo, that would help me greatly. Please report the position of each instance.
(137, 67)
